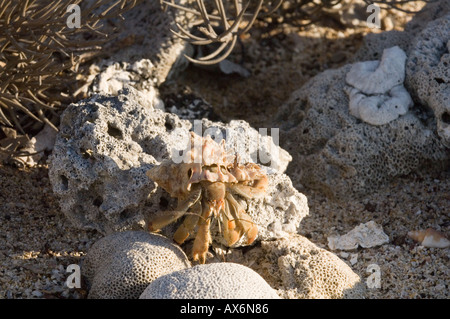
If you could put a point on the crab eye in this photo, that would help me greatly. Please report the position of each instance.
(190, 173)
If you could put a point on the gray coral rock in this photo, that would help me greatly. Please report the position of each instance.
(107, 143)
(374, 43)
(428, 72)
(147, 35)
(340, 155)
(122, 265)
(211, 281)
(299, 269)
(104, 147)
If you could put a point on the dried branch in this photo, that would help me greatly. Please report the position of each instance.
(394, 4)
(228, 18)
(230, 15)
(39, 52)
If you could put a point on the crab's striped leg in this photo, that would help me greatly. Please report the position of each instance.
(203, 238)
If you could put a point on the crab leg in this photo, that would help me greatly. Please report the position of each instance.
(257, 190)
(243, 220)
(164, 218)
(230, 232)
(203, 238)
(189, 223)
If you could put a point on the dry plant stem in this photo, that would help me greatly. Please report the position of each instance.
(38, 54)
(230, 25)
(394, 4)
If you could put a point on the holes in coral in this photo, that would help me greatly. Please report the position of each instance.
(163, 203)
(125, 214)
(168, 124)
(445, 117)
(64, 183)
(98, 201)
(439, 80)
(114, 132)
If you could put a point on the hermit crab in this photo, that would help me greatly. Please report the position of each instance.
(205, 184)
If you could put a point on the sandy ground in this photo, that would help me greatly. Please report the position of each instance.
(37, 243)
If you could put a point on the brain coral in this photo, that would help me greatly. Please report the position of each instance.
(211, 281)
(121, 265)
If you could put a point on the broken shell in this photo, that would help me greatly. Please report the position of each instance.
(430, 238)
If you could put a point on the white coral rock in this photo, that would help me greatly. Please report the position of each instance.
(379, 109)
(365, 235)
(376, 92)
(374, 77)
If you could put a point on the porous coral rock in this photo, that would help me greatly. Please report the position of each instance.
(342, 156)
(121, 266)
(105, 146)
(428, 72)
(376, 92)
(374, 43)
(117, 76)
(299, 269)
(211, 281)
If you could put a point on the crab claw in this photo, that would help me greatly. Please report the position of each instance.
(230, 233)
(185, 228)
(257, 190)
(188, 225)
(244, 222)
(248, 226)
(252, 233)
